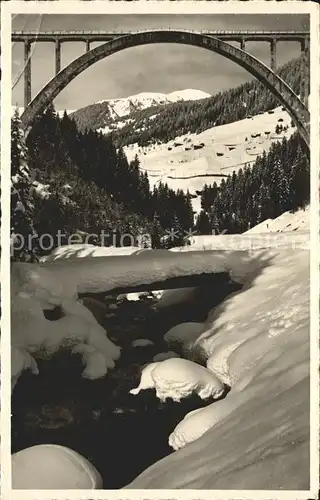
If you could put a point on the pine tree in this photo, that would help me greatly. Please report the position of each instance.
(156, 232)
(203, 225)
(300, 180)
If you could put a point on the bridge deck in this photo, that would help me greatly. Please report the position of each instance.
(65, 36)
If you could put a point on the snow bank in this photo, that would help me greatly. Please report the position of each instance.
(249, 241)
(34, 290)
(50, 466)
(82, 250)
(258, 436)
(288, 221)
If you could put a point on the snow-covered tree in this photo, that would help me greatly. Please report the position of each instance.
(23, 234)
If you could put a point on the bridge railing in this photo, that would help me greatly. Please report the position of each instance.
(117, 32)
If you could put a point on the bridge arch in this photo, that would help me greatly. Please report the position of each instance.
(273, 82)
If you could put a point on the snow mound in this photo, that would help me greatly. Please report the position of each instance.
(49, 466)
(34, 290)
(184, 333)
(258, 436)
(82, 250)
(178, 378)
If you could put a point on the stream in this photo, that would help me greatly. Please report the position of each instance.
(120, 434)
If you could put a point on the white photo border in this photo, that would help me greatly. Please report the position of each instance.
(156, 7)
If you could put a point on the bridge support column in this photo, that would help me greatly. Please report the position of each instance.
(273, 54)
(87, 45)
(305, 72)
(58, 56)
(242, 44)
(27, 73)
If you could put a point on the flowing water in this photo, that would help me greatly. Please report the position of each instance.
(119, 433)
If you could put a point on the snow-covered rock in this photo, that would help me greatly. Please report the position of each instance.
(146, 381)
(175, 297)
(21, 360)
(161, 356)
(178, 378)
(52, 467)
(35, 290)
(141, 343)
(184, 333)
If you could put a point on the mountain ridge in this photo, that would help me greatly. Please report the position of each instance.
(108, 112)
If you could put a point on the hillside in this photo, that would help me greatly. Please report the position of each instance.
(192, 160)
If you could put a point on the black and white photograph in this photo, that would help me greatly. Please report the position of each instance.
(160, 205)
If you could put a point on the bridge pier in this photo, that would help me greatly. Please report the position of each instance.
(242, 44)
(87, 45)
(305, 72)
(273, 54)
(57, 56)
(27, 73)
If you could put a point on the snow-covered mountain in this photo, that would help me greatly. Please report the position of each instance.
(124, 106)
(113, 114)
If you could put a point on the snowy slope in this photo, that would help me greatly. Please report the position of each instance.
(258, 436)
(193, 160)
(288, 221)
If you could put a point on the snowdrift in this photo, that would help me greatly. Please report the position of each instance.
(258, 436)
(81, 250)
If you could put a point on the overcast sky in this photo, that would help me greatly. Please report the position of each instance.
(154, 68)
